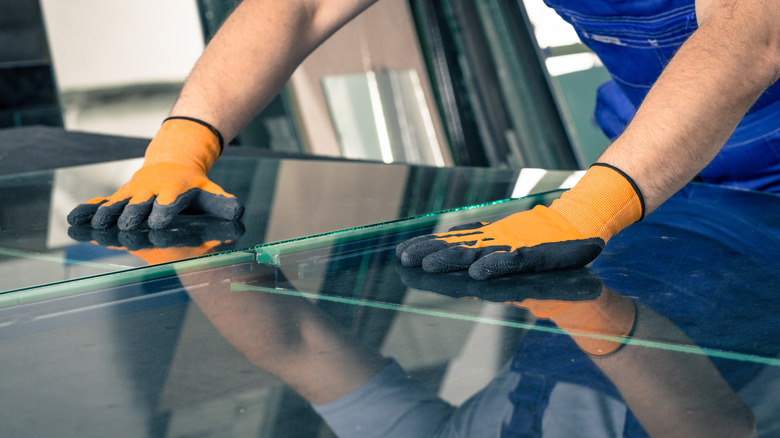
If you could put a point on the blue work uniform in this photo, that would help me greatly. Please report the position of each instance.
(635, 40)
(723, 300)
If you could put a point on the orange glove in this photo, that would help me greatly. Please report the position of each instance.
(172, 179)
(568, 234)
(589, 323)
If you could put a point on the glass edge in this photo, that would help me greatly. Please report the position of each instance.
(626, 340)
(268, 253)
(72, 287)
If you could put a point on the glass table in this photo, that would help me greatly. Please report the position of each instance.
(284, 199)
(314, 329)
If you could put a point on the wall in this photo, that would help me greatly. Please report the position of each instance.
(110, 43)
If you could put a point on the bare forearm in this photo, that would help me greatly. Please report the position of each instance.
(700, 98)
(253, 55)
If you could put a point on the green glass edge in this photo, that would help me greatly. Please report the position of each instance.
(681, 348)
(55, 259)
(268, 253)
(114, 279)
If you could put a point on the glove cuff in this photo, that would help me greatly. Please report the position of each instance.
(602, 203)
(187, 141)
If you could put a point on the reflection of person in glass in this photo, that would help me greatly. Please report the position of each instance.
(724, 300)
(361, 394)
(692, 94)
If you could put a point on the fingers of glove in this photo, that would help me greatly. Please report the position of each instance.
(469, 226)
(414, 250)
(163, 214)
(108, 213)
(83, 213)
(135, 213)
(538, 258)
(222, 206)
(214, 188)
(399, 250)
(450, 284)
(456, 258)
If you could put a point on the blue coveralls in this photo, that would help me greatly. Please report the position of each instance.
(635, 40)
(709, 229)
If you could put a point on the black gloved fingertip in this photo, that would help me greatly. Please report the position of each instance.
(130, 222)
(235, 213)
(160, 221)
(102, 222)
(82, 214)
(410, 260)
(78, 218)
(480, 274)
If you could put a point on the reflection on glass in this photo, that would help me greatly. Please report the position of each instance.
(662, 388)
(671, 331)
(284, 199)
(640, 369)
(190, 238)
(382, 116)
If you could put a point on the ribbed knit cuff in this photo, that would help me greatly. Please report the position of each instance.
(213, 130)
(185, 141)
(602, 203)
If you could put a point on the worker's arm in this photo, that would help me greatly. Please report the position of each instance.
(687, 116)
(242, 68)
(703, 93)
(253, 55)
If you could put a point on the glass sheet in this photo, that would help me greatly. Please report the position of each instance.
(708, 248)
(329, 335)
(284, 199)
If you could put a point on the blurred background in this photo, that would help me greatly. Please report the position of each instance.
(499, 83)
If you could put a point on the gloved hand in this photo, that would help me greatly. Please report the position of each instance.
(184, 240)
(172, 179)
(568, 234)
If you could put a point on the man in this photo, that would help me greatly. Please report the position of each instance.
(729, 54)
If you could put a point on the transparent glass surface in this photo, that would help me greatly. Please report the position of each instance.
(284, 199)
(672, 330)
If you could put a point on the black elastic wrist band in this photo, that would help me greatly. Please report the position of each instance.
(202, 123)
(630, 181)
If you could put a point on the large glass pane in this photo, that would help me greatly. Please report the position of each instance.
(284, 199)
(672, 329)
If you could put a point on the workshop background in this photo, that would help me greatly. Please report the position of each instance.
(499, 83)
